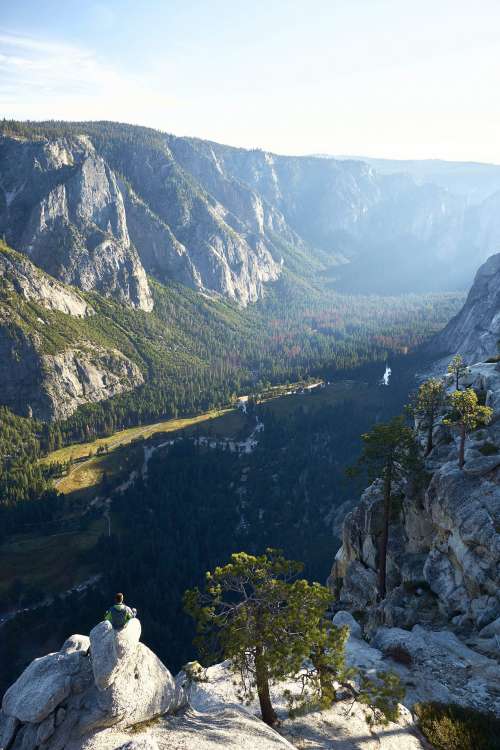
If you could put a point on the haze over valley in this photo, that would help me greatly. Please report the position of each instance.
(254, 388)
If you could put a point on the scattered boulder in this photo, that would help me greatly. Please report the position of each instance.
(345, 618)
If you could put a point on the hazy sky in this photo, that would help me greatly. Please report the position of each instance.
(394, 78)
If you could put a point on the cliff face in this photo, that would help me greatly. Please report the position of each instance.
(64, 205)
(19, 276)
(61, 205)
(52, 386)
(99, 204)
(39, 378)
(444, 548)
(475, 331)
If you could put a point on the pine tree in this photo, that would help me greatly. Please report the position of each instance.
(457, 368)
(389, 452)
(467, 414)
(255, 612)
(429, 400)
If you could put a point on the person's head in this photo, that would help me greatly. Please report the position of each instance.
(118, 598)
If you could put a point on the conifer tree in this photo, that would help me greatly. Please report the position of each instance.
(257, 613)
(429, 400)
(467, 414)
(458, 369)
(389, 452)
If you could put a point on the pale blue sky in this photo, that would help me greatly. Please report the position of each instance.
(394, 78)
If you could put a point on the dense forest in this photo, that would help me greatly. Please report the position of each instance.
(197, 505)
(197, 353)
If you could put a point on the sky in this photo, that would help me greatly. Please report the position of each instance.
(390, 78)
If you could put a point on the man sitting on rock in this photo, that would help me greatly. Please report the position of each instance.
(119, 614)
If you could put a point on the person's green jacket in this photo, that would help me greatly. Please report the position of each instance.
(118, 615)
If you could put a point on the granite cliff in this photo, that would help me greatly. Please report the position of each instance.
(475, 331)
(100, 205)
(100, 218)
(443, 560)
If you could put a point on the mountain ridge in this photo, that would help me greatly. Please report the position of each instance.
(224, 208)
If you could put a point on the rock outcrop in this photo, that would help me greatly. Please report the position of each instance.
(64, 699)
(20, 276)
(51, 386)
(475, 331)
(443, 566)
(110, 692)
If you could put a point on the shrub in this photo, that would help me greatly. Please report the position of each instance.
(400, 654)
(488, 449)
(452, 727)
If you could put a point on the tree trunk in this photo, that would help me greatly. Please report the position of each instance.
(326, 678)
(262, 679)
(461, 450)
(429, 437)
(384, 538)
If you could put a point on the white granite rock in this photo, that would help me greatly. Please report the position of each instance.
(345, 618)
(43, 685)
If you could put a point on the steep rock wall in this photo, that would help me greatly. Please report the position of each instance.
(444, 545)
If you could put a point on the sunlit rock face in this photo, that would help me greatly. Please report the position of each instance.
(24, 278)
(109, 680)
(103, 207)
(110, 692)
(62, 207)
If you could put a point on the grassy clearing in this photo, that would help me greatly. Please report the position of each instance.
(85, 476)
(88, 469)
(124, 437)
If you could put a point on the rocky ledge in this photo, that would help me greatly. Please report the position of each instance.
(64, 699)
(443, 571)
(110, 692)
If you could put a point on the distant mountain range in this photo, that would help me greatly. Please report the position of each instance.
(101, 205)
(131, 260)
(476, 181)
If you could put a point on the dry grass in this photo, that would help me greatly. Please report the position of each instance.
(87, 469)
(84, 478)
(124, 437)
